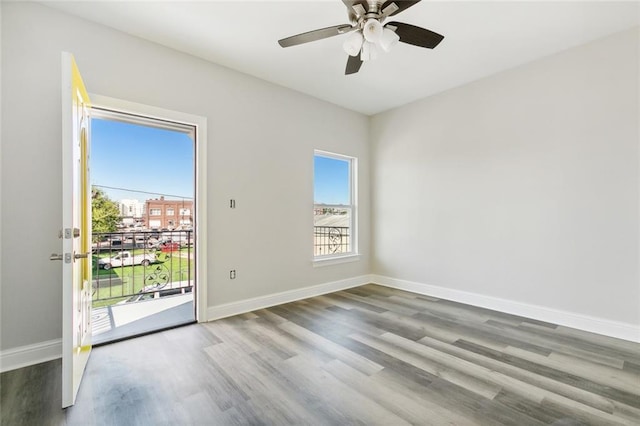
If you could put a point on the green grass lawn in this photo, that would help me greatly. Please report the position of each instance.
(129, 280)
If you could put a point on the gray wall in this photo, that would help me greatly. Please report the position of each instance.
(522, 186)
(260, 152)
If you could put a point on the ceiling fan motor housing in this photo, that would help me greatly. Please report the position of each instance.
(374, 7)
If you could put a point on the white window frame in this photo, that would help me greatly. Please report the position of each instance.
(155, 212)
(353, 255)
(170, 211)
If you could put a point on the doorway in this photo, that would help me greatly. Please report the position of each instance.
(144, 224)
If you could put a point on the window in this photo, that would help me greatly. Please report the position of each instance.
(155, 212)
(334, 210)
(185, 212)
(170, 212)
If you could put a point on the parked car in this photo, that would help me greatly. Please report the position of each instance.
(153, 243)
(168, 247)
(125, 258)
(127, 243)
(175, 236)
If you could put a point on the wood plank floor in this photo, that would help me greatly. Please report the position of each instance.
(370, 355)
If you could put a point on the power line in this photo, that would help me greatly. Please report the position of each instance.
(142, 192)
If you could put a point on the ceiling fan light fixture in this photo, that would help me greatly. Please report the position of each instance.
(369, 51)
(353, 43)
(389, 39)
(372, 31)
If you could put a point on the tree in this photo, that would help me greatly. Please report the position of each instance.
(105, 213)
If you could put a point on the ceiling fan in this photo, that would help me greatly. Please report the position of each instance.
(368, 34)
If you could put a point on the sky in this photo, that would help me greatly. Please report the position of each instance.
(141, 158)
(331, 180)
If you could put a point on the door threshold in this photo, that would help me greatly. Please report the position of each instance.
(145, 333)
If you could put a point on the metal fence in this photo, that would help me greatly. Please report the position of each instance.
(140, 265)
(331, 240)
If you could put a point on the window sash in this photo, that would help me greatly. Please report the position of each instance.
(332, 240)
(351, 207)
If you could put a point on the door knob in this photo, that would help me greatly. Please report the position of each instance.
(55, 256)
(80, 255)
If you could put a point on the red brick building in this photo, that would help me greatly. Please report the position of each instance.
(169, 214)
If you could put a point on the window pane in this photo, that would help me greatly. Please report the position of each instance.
(331, 231)
(331, 181)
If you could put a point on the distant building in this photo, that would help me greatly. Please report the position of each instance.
(131, 208)
(170, 214)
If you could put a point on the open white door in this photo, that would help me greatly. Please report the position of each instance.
(76, 231)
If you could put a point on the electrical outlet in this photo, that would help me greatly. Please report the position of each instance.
(232, 274)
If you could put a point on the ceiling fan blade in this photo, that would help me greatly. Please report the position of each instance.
(353, 65)
(402, 5)
(315, 35)
(415, 35)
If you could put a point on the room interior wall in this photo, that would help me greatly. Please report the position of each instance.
(261, 139)
(521, 186)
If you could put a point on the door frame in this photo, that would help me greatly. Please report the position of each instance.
(200, 147)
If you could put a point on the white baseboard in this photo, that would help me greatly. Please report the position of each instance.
(25, 356)
(248, 305)
(605, 327)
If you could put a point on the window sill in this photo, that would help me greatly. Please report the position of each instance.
(334, 260)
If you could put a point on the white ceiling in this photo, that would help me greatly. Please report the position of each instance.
(481, 38)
